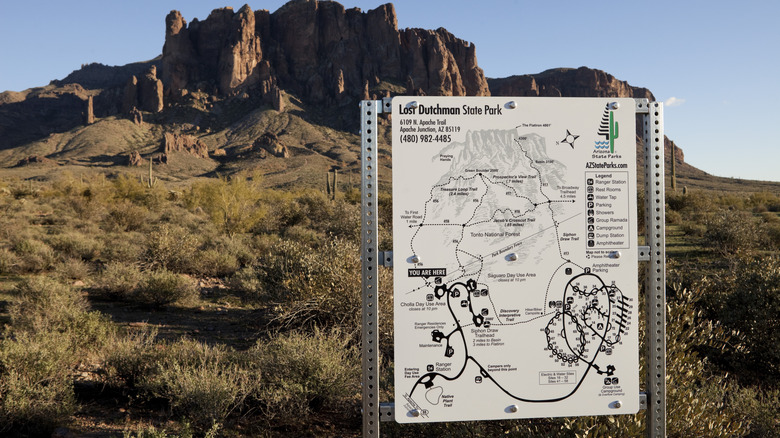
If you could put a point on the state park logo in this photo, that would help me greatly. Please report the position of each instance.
(609, 130)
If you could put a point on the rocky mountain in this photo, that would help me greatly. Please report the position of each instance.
(236, 79)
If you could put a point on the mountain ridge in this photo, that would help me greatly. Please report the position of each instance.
(237, 76)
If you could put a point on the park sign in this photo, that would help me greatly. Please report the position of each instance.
(515, 257)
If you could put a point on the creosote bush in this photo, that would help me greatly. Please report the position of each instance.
(202, 383)
(171, 247)
(748, 301)
(733, 232)
(161, 287)
(306, 373)
(36, 389)
(51, 332)
(120, 280)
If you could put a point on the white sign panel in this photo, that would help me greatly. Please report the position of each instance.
(515, 250)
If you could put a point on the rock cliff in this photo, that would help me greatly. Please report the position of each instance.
(567, 82)
(317, 50)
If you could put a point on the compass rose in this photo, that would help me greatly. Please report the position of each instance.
(569, 139)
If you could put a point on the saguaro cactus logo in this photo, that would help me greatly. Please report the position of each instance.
(609, 129)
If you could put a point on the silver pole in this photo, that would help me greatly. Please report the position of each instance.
(369, 255)
(656, 269)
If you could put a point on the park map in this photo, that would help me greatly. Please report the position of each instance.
(515, 257)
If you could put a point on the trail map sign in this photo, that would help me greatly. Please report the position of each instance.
(515, 279)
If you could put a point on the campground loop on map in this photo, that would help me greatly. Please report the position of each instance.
(506, 220)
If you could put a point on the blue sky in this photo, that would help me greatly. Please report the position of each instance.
(714, 63)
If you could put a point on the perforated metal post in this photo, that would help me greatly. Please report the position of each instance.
(369, 253)
(653, 125)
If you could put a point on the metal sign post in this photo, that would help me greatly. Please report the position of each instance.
(369, 110)
(653, 128)
(515, 230)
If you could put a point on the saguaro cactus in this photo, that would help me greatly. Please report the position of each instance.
(614, 132)
(674, 171)
(152, 180)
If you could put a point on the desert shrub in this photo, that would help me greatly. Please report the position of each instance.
(311, 211)
(171, 247)
(204, 393)
(185, 431)
(773, 234)
(315, 207)
(320, 286)
(733, 233)
(161, 287)
(126, 216)
(34, 255)
(128, 247)
(202, 383)
(146, 432)
(51, 332)
(673, 217)
(764, 201)
(691, 205)
(8, 261)
(306, 373)
(748, 301)
(120, 280)
(132, 358)
(246, 282)
(762, 407)
(75, 244)
(215, 263)
(36, 389)
(73, 268)
(697, 397)
(304, 235)
(314, 286)
(222, 256)
(132, 189)
(770, 218)
(344, 221)
(693, 229)
(85, 206)
(232, 204)
(43, 304)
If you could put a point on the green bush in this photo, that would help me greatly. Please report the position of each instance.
(314, 286)
(305, 373)
(214, 262)
(8, 261)
(120, 280)
(132, 189)
(42, 305)
(697, 396)
(126, 216)
(132, 358)
(202, 383)
(73, 268)
(204, 393)
(749, 302)
(34, 255)
(171, 247)
(733, 233)
(673, 217)
(76, 245)
(247, 282)
(162, 287)
(232, 204)
(127, 247)
(36, 389)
